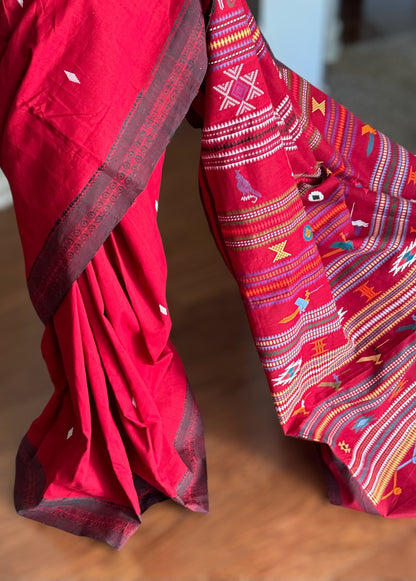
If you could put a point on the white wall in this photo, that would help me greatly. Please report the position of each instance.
(5, 195)
(298, 32)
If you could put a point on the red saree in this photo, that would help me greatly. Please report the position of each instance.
(85, 121)
(311, 209)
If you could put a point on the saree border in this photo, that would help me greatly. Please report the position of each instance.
(157, 112)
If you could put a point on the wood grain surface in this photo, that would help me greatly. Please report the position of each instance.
(270, 518)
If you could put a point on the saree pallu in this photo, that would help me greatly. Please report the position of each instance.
(314, 213)
(311, 209)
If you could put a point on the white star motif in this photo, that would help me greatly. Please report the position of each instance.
(288, 374)
(239, 90)
(69, 434)
(405, 259)
(163, 310)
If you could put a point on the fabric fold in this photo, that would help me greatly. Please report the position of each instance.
(313, 212)
(85, 120)
(125, 431)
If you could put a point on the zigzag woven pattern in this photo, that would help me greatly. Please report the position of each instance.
(314, 214)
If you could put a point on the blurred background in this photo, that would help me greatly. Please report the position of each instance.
(270, 518)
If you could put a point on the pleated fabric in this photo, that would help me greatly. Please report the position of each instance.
(122, 430)
(312, 210)
(91, 96)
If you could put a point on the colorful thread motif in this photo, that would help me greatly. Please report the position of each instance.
(301, 410)
(280, 251)
(398, 388)
(244, 186)
(289, 374)
(308, 233)
(319, 346)
(358, 226)
(344, 447)
(332, 384)
(411, 461)
(316, 106)
(362, 423)
(411, 327)
(412, 176)
(238, 91)
(396, 490)
(342, 313)
(302, 304)
(367, 292)
(406, 258)
(376, 359)
(371, 133)
(340, 246)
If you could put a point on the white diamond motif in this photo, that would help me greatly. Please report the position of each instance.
(239, 90)
(72, 77)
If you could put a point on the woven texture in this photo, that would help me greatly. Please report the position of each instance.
(313, 211)
(311, 208)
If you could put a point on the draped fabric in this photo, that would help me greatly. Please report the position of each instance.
(122, 430)
(314, 213)
(90, 98)
(311, 209)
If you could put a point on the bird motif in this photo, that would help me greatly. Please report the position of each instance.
(244, 186)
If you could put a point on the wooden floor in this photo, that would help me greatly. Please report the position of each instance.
(270, 518)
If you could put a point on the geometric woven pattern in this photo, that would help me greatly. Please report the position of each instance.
(325, 257)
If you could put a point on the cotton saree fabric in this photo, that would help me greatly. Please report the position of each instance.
(90, 98)
(311, 209)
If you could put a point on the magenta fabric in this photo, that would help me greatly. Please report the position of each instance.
(313, 211)
(311, 208)
(90, 98)
(122, 430)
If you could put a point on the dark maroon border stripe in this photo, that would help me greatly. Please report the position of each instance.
(192, 491)
(84, 516)
(157, 112)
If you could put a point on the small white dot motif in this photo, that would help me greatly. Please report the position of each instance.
(157, 205)
(69, 434)
(163, 310)
(72, 77)
(133, 401)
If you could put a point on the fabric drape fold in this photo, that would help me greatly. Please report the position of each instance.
(90, 99)
(124, 431)
(312, 210)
